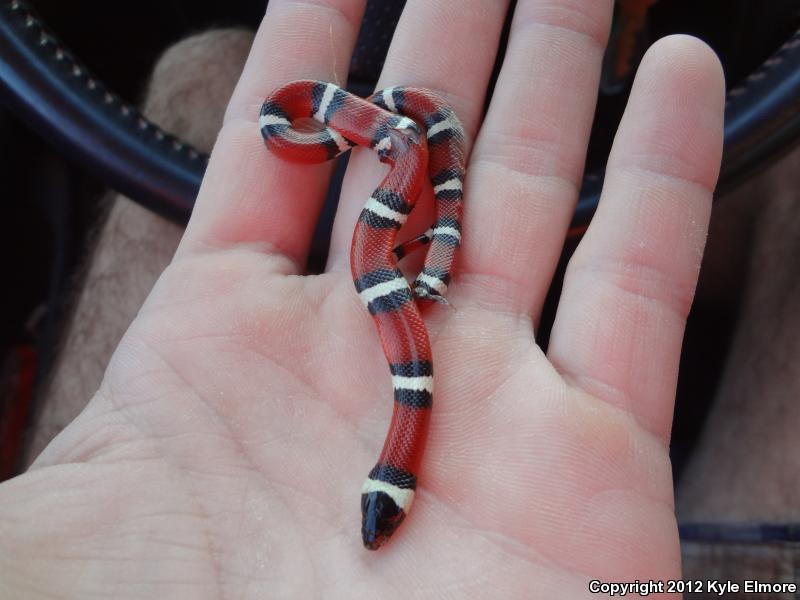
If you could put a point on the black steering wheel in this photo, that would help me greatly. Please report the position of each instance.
(52, 91)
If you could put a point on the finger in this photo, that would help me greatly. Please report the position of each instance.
(448, 46)
(525, 172)
(249, 195)
(630, 284)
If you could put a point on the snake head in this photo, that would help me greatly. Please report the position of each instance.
(380, 516)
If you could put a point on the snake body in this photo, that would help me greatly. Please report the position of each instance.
(419, 136)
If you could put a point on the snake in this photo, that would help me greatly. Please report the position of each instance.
(420, 137)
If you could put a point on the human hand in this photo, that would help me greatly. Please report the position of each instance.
(224, 452)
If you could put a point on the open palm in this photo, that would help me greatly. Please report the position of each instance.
(224, 452)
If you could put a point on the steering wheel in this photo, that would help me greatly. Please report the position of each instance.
(52, 91)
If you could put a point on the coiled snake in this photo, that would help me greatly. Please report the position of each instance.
(418, 135)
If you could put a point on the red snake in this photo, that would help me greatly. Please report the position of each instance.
(418, 135)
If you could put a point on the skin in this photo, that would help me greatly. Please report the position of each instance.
(188, 91)
(223, 454)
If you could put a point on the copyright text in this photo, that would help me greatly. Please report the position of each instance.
(689, 586)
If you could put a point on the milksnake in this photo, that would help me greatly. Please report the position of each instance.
(416, 133)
